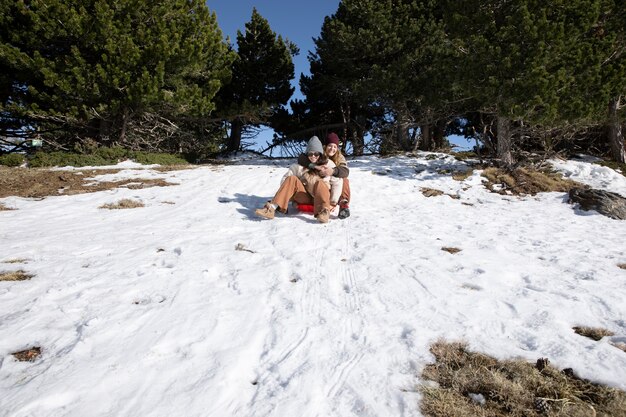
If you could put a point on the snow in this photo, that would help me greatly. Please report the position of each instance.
(153, 312)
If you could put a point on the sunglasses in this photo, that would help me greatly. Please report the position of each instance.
(313, 154)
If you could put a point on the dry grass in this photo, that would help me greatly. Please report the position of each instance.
(462, 175)
(622, 266)
(125, 203)
(451, 250)
(523, 181)
(15, 261)
(15, 276)
(595, 333)
(464, 155)
(512, 388)
(38, 183)
(28, 355)
(431, 192)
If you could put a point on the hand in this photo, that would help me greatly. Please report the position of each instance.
(325, 171)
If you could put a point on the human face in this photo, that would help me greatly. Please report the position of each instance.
(331, 149)
(313, 156)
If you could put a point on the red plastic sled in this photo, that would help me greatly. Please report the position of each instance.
(306, 208)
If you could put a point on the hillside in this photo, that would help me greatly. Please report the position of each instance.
(190, 305)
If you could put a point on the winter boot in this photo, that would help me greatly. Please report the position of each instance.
(344, 210)
(267, 211)
(323, 216)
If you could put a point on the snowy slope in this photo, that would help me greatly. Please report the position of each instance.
(152, 312)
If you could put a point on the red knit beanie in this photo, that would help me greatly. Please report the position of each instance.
(332, 138)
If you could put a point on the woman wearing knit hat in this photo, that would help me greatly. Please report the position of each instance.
(340, 170)
(304, 185)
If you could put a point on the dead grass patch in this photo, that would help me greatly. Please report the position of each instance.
(522, 181)
(462, 175)
(5, 208)
(15, 261)
(38, 183)
(451, 250)
(28, 355)
(464, 155)
(431, 192)
(15, 276)
(474, 384)
(125, 203)
(622, 266)
(595, 333)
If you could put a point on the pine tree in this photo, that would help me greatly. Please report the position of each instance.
(261, 76)
(380, 63)
(97, 64)
(525, 62)
(605, 60)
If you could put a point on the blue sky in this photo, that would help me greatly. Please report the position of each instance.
(298, 21)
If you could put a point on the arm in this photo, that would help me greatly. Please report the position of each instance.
(293, 170)
(342, 171)
(303, 160)
(336, 185)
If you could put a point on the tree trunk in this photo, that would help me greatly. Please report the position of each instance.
(615, 132)
(234, 141)
(504, 141)
(439, 133)
(426, 144)
(358, 143)
(124, 125)
(403, 121)
(358, 136)
(345, 115)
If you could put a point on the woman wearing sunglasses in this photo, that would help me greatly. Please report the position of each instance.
(304, 185)
(332, 151)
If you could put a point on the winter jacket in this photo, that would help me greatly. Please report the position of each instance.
(341, 170)
(309, 178)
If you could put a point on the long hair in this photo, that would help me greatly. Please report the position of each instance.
(335, 157)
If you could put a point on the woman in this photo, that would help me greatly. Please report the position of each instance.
(304, 185)
(340, 170)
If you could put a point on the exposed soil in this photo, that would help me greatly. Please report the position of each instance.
(15, 276)
(28, 355)
(39, 183)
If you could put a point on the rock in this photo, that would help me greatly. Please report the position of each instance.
(604, 202)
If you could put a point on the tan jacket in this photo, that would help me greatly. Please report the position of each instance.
(309, 179)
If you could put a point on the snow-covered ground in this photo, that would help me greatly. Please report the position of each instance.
(153, 312)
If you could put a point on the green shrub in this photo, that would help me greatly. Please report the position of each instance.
(116, 154)
(61, 159)
(12, 159)
(158, 158)
(102, 156)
